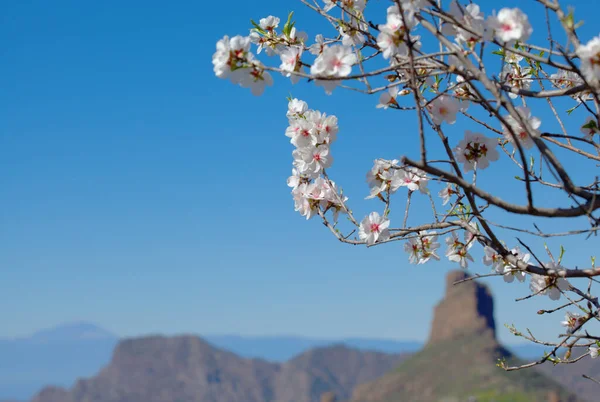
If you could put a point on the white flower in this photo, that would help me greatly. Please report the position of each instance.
(290, 62)
(388, 98)
(491, 257)
(307, 206)
(594, 351)
(447, 192)
(393, 35)
(589, 128)
(458, 251)
(589, 54)
(255, 77)
(546, 285)
(470, 17)
(511, 271)
(335, 61)
(409, 6)
(357, 5)
(374, 228)
(302, 133)
(296, 179)
(383, 177)
(516, 77)
(520, 132)
(312, 159)
(352, 32)
(318, 47)
(269, 23)
(296, 108)
(572, 321)
(476, 150)
(415, 179)
(423, 248)
(444, 108)
(510, 25)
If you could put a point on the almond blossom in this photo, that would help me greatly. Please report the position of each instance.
(415, 179)
(255, 77)
(511, 271)
(383, 177)
(470, 17)
(335, 61)
(549, 286)
(312, 159)
(521, 133)
(510, 25)
(444, 108)
(516, 77)
(352, 32)
(296, 109)
(476, 150)
(388, 98)
(374, 228)
(394, 34)
(572, 321)
(458, 251)
(447, 192)
(317, 47)
(594, 351)
(589, 54)
(290, 62)
(422, 248)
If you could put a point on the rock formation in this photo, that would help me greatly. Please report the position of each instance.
(467, 308)
(459, 361)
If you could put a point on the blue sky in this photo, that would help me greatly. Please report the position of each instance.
(142, 193)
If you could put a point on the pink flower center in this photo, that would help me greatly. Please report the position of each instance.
(317, 157)
(375, 227)
(506, 27)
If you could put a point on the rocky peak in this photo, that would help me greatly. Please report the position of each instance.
(466, 309)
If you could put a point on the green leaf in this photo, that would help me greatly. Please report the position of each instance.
(257, 27)
(562, 252)
(499, 52)
(287, 28)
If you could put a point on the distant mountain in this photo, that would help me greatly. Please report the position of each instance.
(459, 361)
(52, 356)
(75, 331)
(283, 348)
(188, 369)
(62, 354)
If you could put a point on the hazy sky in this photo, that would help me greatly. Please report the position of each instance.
(141, 193)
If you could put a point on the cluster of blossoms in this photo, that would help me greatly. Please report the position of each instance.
(458, 251)
(312, 133)
(514, 75)
(501, 266)
(233, 60)
(422, 248)
(387, 176)
(394, 36)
